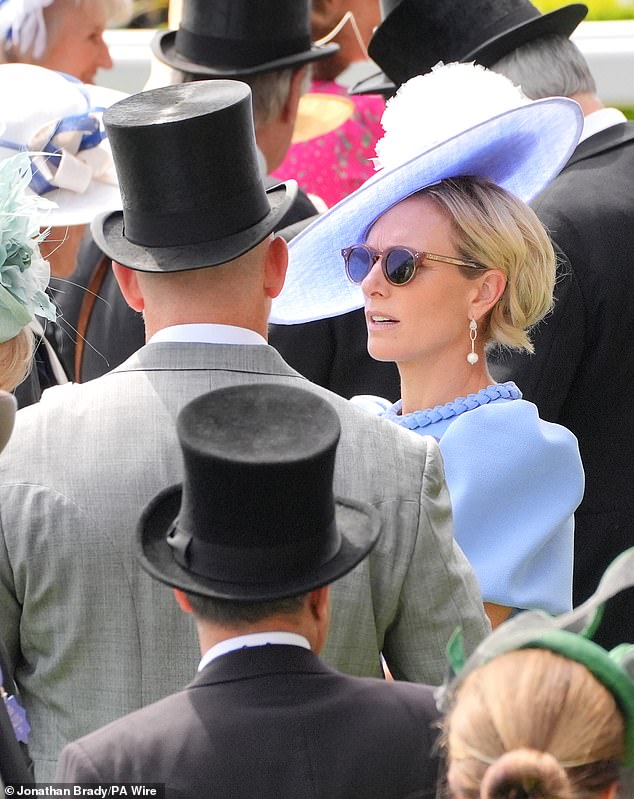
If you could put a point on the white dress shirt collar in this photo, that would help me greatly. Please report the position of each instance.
(252, 639)
(601, 120)
(207, 334)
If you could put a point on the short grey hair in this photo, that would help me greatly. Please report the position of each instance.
(551, 66)
(269, 90)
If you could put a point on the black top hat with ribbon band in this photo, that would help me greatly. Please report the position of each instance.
(191, 187)
(416, 34)
(255, 518)
(233, 38)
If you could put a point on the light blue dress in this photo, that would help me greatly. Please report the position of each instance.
(515, 482)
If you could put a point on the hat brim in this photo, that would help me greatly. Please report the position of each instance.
(378, 83)
(520, 150)
(73, 208)
(358, 524)
(561, 21)
(163, 47)
(108, 231)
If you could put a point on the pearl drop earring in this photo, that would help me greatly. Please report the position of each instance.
(473, 357)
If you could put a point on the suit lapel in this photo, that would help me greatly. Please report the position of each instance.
(260, 661)
(601, 142)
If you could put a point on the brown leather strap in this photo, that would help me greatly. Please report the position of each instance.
(85, 312)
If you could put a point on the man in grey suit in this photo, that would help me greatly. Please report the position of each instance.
(90, 636)
(265, 717)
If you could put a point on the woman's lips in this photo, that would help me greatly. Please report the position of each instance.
(379, 321)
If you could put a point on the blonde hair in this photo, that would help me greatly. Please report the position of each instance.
(496, 229)
(16, 356)
(532, 724)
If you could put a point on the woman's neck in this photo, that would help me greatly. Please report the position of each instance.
(427, 385)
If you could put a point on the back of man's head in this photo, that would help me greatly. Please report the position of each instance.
(269, 91)
(549, 66)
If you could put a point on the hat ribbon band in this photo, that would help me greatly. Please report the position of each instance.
(257, 566)
(55, 154)
(211, 51)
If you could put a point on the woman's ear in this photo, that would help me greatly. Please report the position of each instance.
(490, 288)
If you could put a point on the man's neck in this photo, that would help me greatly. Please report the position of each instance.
(589, 102)
(154, 327)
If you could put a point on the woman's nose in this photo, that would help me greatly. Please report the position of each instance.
(374, 282)
(105, 61)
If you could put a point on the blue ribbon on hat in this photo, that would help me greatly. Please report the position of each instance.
(86, 122)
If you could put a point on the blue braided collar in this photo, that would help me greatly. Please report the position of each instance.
(416, 419)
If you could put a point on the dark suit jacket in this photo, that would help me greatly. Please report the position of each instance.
(270, 722)
(334, 354)
(115, 331)
(583, 369)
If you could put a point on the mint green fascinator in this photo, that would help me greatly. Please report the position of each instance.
(569, 635)
(24, 274)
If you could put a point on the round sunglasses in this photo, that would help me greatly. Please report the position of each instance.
(399, 264)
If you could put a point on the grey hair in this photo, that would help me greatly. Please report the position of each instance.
(269, 91)
(118, 12)
(551, 66)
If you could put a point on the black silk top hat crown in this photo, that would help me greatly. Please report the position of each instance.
(233, 38)
(255, 518)
(191, 187)
(416, 34)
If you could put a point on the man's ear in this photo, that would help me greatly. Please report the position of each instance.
(275, 267)
(289, 112)
(318, 602)
(490, 288)
(183, 601)
(129, 284)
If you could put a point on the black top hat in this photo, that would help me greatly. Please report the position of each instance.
(191, 187)
(233, 38)
(417, 34)
(255, 518)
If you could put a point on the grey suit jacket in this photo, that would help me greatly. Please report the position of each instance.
(92, 637)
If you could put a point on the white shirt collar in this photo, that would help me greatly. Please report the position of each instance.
(252, 639)
(601, 120)
(207, 334)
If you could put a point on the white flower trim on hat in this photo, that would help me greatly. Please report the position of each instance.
(409, 128)
(24, 274)
(459, 119)
(22, 23)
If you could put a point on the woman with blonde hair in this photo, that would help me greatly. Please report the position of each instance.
(448, 260)
(542, 712)
(24, 274)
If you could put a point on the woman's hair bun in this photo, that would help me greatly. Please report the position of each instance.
(525, 774)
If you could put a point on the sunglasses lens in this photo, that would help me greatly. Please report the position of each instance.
(358, 264)
(399, 266)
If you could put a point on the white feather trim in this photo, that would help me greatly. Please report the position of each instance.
(432, 108)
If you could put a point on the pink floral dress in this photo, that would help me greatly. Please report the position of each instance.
(334, 165)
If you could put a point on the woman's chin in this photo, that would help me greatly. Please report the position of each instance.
(382, 352)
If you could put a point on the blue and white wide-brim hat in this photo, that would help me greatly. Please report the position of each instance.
(58, 116)
(457, 120)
